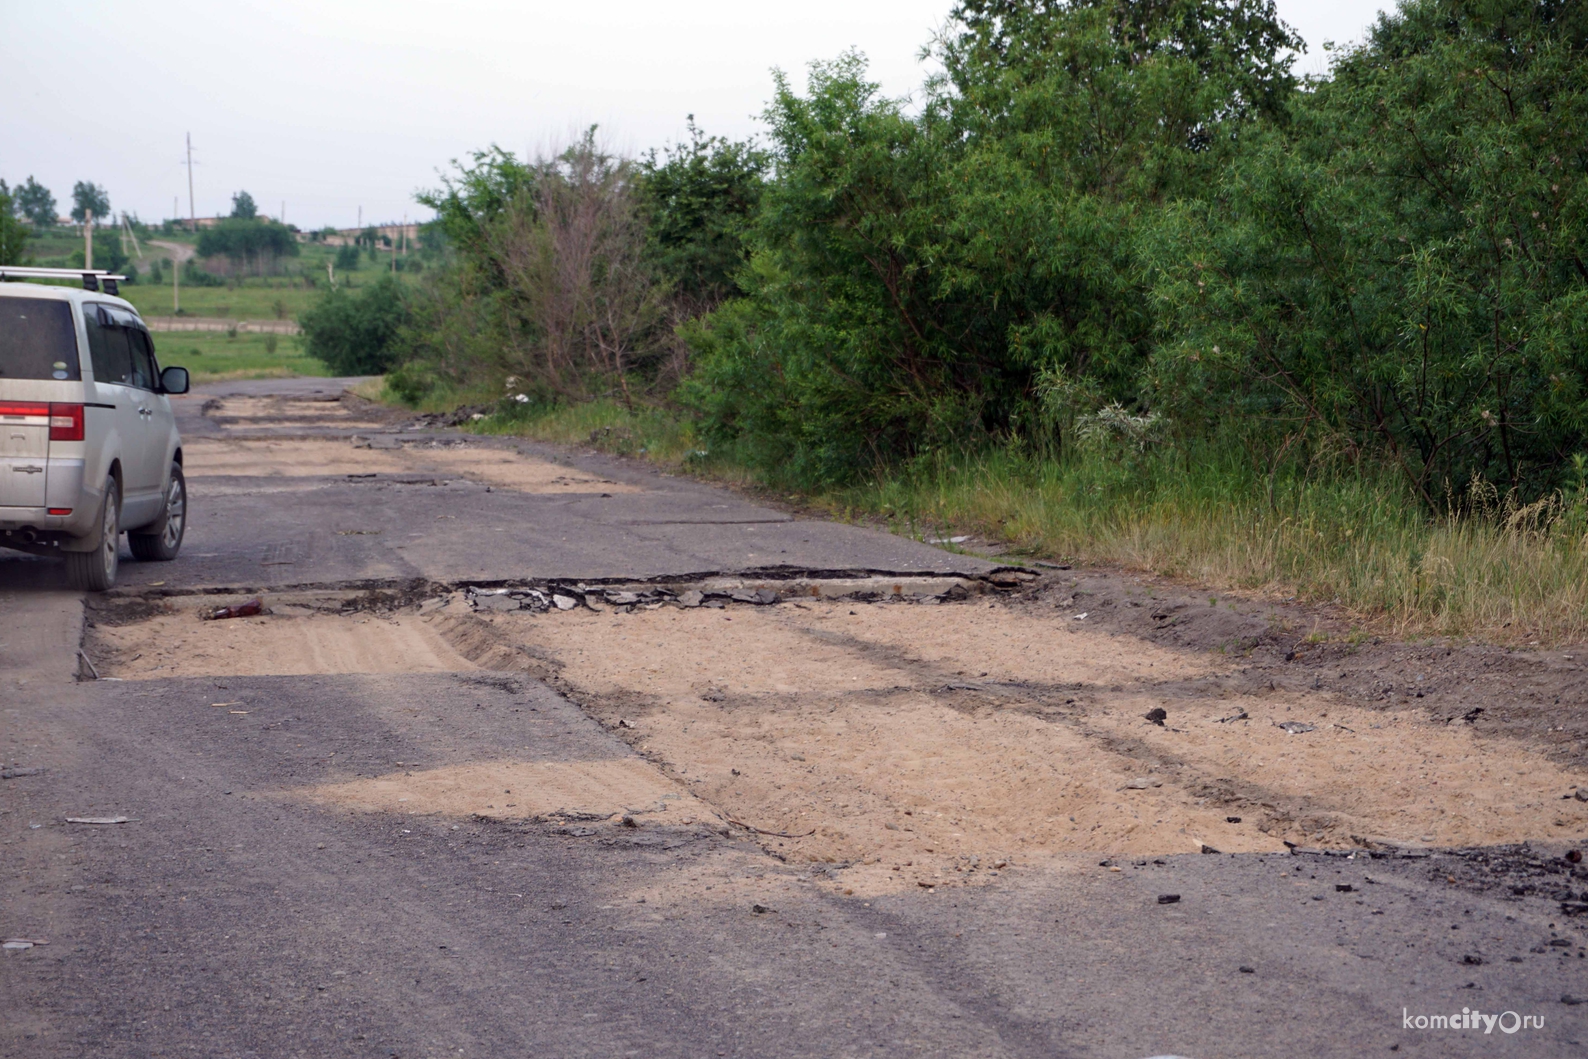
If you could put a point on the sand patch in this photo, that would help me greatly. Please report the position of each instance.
(309, 457)
(520, 790)
(286, 458)
(511, 470)
(921, 746)
(180, 645)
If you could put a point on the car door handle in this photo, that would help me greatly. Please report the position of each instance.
(145, 412)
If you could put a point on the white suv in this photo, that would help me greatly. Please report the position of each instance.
(88, 444)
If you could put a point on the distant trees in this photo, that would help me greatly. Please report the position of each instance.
(34, 201)
(243, 208)
(88, 199)
(347, 257)
(249, 245)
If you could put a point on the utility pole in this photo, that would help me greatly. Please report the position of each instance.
(176, 209)
(191, 212)
(126, 226)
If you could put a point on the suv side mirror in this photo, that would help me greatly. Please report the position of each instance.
(174, 380)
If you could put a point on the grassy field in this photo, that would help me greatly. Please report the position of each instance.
(210, 357)
(1354, 539)
(255, 297)
(250, 298)
(256, 300)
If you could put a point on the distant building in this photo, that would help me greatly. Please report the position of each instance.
(395, 232)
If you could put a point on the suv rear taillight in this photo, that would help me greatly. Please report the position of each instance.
(11, 409)
(66, 422)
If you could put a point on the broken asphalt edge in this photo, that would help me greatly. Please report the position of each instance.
(420, 586)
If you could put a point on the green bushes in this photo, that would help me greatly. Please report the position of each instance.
(1103, 214)
(916, 274)
(357, 334)
(1401, 267)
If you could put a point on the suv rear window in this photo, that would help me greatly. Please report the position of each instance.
(37, 339)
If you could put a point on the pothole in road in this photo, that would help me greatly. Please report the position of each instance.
(294, 641)
(923, 742)
(305, 457)
(915, 745)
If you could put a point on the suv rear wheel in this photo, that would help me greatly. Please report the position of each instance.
(161, 540)
(95, 571)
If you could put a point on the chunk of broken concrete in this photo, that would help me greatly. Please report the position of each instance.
(564, 602)
(1296, 727)
(495, 603)
(692, 598)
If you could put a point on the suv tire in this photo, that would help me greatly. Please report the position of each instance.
(162, 539)
(95, 571)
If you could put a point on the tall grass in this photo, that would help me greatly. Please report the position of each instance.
(1355, 537)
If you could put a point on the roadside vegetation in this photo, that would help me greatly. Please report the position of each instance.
(1116, 286)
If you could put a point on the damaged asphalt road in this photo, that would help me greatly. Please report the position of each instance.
(359, 827)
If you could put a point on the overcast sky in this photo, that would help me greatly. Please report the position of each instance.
(332, 105)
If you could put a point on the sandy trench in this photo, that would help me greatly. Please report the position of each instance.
(908, 745)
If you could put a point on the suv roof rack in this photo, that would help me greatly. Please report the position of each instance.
(91, 277)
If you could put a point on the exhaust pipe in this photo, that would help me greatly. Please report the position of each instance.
(29, 535)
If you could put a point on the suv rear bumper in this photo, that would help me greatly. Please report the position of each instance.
(63, 492)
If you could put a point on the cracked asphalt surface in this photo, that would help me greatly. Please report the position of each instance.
(231, 916)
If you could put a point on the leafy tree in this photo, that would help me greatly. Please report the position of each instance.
(476, 196)
(357, 334)
(89, 198)
(36, 203)
(552, 274)
(13, 232)
(699, 198)
(243, 208)
(347, 257)
(432, 240)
